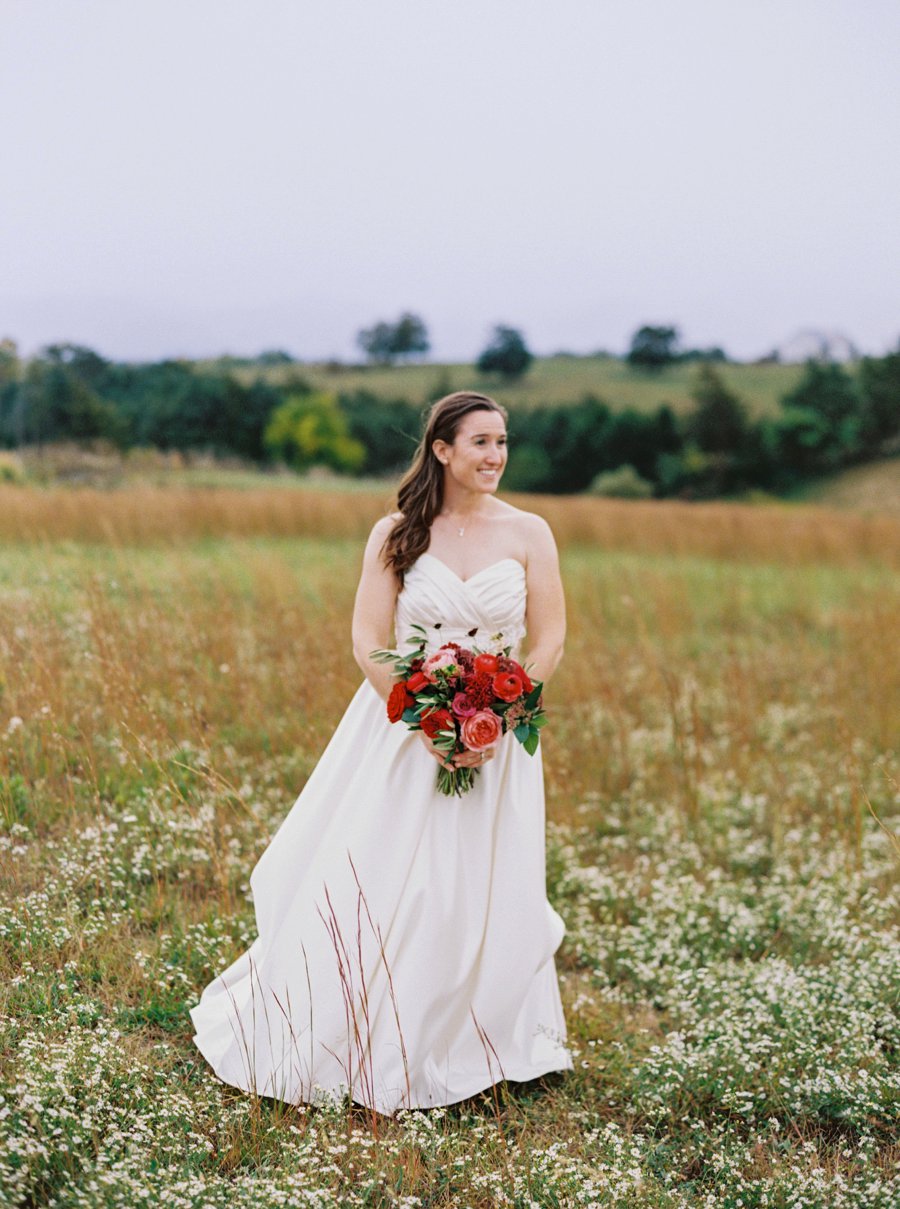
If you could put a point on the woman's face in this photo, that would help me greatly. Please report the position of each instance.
(477, 457)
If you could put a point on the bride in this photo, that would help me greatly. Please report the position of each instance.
(405, 949)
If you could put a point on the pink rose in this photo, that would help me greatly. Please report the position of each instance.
(462, 706)
(441, 659)
(482, 729)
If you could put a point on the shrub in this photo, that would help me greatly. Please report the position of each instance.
(623, 483)
(310, 430)
(11, 469)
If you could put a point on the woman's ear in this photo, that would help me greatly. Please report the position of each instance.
(439, 449)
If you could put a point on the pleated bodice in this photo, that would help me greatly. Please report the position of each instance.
(485, 610)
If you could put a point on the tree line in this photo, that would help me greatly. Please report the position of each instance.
(506, 353)
(832, 418)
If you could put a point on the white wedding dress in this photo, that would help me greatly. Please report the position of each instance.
(405, 942)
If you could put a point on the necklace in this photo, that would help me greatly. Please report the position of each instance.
(460, 529)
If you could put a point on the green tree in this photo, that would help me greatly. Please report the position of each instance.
(12, 415)
(717, 455)
(653, 348)
(385, 342)
(410, 336)
(86, 365)
(803, 443)
(170, 405)
(506, 354)
(377, 343)
(57, 405)
(879, 379)
(823, 416)
(310, 430)
(387, 429)
(529, 468)
(9, 362)
(719, 422)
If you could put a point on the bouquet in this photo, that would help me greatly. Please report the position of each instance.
(464, 700)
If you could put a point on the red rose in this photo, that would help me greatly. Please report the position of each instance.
(416, 682)
(398, 701)
(488, 664)
(481, 730)
(508, 686)
(436, 720)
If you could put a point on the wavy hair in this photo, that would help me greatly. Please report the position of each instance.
(420, 495)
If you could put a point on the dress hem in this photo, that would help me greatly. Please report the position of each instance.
(518, 1075)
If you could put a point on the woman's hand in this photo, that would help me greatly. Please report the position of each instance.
(461, 759)
(474, 759)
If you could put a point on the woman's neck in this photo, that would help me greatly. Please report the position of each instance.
(465, 504)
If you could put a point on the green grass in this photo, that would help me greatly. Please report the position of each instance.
(554, 380)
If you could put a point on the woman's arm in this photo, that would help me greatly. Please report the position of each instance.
(373, 620)
(545, 614)
(373, 612)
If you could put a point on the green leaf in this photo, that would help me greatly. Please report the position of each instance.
(531, 743)
(410, 717)
(382, 656)
(522, 731)
(532, 699)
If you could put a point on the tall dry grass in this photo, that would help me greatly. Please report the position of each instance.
(689, 630)
(142, 515)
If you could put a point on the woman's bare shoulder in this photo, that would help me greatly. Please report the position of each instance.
(385, 524)
(528, 525)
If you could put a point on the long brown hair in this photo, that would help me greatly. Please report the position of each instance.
(420, 495)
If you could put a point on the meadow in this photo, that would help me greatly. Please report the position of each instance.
(553, 380)
(723, 794)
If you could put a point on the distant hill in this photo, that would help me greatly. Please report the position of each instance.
(561, 379)
(874, 487)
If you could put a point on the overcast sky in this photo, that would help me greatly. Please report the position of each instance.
(192, 177)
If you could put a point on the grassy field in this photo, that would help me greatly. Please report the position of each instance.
(873, 488)
(552, 380)
(723, 808)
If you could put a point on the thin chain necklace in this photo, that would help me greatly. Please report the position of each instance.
(460, 529)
